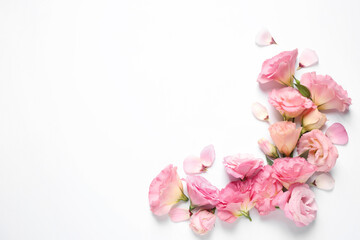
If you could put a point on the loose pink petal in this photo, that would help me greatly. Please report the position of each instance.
(324, 181)
(337, 134)
(308, 58)
(264, 38)
(192, 165)
(259, 111)
(207, 156)
(179, 214)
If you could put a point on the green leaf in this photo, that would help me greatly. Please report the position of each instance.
(269, 160)
(303, 90)
(305, 154)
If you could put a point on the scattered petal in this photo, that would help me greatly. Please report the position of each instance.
(264, 38)
(207, 156)
(337, 134)
(259, 111)
(179, 214)
(192, 165)
(308, 58)
(324, 181)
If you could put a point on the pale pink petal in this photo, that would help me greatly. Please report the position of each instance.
(308, 58)
(192, 165)
(179, 214)
(264, 38)
(207, 156)
(324, 181)
(259, 111)
(337, 134)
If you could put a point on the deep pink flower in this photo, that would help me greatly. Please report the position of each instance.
(322, 153)
(325, 92)
(289, 102)
(201, 192)
(202, 222)
(242, 165)
(236, 199)
(280, 68)
(165, 191)
(292, 170)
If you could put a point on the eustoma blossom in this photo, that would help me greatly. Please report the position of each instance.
(300, 156)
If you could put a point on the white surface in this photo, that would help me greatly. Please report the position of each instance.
(96, 97)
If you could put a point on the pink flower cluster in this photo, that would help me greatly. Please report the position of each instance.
(300, 156)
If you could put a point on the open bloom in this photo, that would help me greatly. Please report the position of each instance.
(289, 102)
(265, 189)
(194, 164)
(280, 68)
(285, 135)
(313, 119)
(322, 153)
(201, 192)
(242, 165)
(236, 200)
(202, 222)
(299, 204)
(325, 92)
(165, 191)
(292, 170)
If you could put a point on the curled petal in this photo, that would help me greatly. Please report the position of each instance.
(337, 134)
(308, 58)
(259, 111)
(264, 38)
(207, 156)
(179, 214)
(324, 181)
(192, 165)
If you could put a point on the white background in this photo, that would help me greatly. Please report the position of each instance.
(97, 97)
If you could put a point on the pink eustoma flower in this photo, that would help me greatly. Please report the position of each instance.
(285, 136)
(242, 165)
(322, 153)
(165, 191)
(313, 119)
(194, 164)
(325, 92)
(202, 222)
(289, 102)
(265, 189)
(292, 170)
(201, 192)
(299, 204)
(280, 68)
(236, 200)
(268, 148)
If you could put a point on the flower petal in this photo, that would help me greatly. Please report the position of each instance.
(337, 134)
(324, 181)
(259, 111)
(308, 58)
(192, 165)
(179, 214)
(207, 156)
(264, 38)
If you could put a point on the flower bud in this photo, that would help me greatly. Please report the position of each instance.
(313, 120)
(268, 148)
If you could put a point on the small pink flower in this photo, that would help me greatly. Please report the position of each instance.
(313, 119)
(300, 206)
(268, 148)
(289, 102)
(337, 134)
(194, 164)
(236, 200)
(265, 189)
(260, 112)
(179, 214)
(285, 135)
(280, 68)
(165, 191)
(325, 92)
(264, 38)
(308, 58)
(201, 192)
(322, 153)
(202, 222)
(242, 165)
(292, 170)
